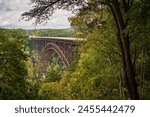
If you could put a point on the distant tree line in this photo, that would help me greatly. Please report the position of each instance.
(53, 33)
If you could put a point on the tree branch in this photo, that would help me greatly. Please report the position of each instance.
(44, 9)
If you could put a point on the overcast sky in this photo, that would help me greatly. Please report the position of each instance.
(11, 10)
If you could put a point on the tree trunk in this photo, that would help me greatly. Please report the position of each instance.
(129, 71)
(124, 45)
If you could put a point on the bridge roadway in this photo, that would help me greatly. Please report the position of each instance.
(57, 38)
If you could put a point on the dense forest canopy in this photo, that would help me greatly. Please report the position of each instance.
(52, 33)
(13, 72)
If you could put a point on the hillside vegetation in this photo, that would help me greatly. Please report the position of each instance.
(52, 33)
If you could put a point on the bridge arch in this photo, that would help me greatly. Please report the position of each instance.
(47, 51)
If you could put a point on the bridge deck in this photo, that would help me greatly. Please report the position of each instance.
(57, 38)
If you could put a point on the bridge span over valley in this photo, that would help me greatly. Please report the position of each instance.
(65, 47)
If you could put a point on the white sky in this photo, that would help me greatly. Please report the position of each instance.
(11, 10)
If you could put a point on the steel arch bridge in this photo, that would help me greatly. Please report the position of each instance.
(64, 47)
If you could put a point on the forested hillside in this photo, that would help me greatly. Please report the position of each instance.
(52, 32)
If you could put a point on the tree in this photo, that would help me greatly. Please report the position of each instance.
(13, 72)
(120, 12)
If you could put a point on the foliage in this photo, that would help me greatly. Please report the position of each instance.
(54, 69)
(13, 72)
(48, 91)
(53, 33)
